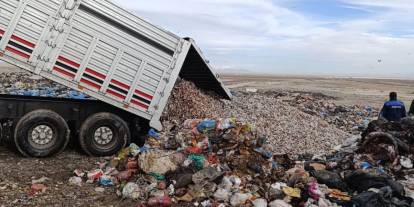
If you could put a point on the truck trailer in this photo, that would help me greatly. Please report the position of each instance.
(100, 49)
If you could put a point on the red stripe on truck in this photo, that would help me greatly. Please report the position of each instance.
(139, 104)
(70, 62)
(90, 83)
(1, 32)
(115, 94)
(122, 85)
(92, 72)
(21, 54)
(64, 72)
(145, 95)
(25, 42)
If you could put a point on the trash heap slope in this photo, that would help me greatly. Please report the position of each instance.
(287, 128)
(352, 119)
(219, 163)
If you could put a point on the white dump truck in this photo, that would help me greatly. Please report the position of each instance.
(95, 47)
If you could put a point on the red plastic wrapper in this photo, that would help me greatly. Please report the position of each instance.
(132, 165)
(194, 150)
(125, 175)
(95, 175)
(162, 185)
(313, 190)
(37, 188)
(213, 159)
(162, 201)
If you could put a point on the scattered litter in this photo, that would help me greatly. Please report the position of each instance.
(99, 189)
(292, 192)
(105, 181)
(251, 90)
(157, 162)
(406, 162)
(279, 203)
(246, 173)
(25, 84)
(132, 191)
(239, 199)
(161, 201)
(40, 180)
(75, 181)
(37, 188)
(260, 202)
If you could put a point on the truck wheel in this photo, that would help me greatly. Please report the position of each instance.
(41, 133)
(104, 134)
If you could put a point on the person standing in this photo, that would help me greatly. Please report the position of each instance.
(393, 110)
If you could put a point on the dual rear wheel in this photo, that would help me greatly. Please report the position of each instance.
(104, 134)
(43, 133)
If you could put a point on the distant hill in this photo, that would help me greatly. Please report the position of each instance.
(235, 72)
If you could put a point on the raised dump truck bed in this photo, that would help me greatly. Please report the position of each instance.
(98, 48)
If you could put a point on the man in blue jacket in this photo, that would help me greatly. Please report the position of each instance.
(393, 110)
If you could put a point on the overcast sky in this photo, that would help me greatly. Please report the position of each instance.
(346, 37)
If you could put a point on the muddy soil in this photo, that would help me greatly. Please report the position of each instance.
(17, 173)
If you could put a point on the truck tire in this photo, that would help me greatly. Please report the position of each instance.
(41, 133)
(104, 134)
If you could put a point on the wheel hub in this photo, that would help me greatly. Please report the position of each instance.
(42, 135)
(103, 135)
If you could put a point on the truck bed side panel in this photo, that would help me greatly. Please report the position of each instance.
(95, 47)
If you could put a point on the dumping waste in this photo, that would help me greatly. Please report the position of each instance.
(287, 128)
(273, 150)
(223, 162)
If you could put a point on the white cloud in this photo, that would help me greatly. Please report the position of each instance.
(264, 36)
(395, 4)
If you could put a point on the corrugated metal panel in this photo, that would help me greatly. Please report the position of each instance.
(7, 9)
(107, 31)
(134, 24)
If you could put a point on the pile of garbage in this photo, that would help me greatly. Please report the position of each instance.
(188, 102)
(224, 162)
(352, 119)
(287, 128)
(26, 84)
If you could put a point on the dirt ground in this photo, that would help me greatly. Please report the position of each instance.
(348, 91)
(17, 173)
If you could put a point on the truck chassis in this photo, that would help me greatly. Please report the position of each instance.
(42, 126)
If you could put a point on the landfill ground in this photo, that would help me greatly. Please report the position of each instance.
(18, 173)
(347, 91)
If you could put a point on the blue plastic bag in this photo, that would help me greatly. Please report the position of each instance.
(265, 154)
(206, 125)
(76, 95)
(154, 134)
(105, 181)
